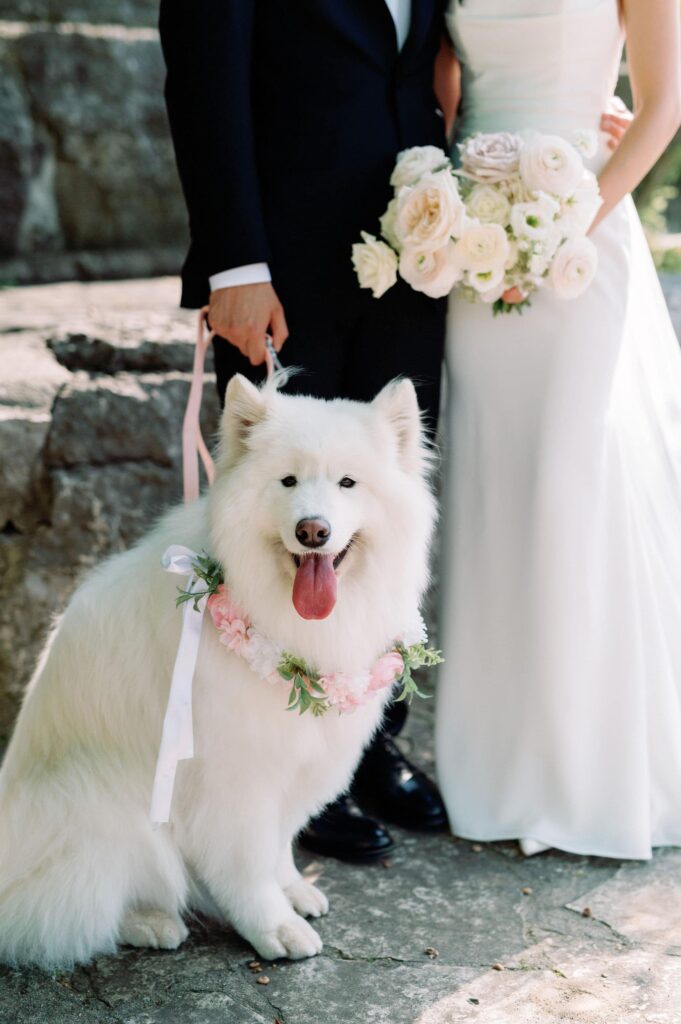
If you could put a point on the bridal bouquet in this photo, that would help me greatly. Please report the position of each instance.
(514, 214)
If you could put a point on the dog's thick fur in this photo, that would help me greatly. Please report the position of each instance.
(81, 868)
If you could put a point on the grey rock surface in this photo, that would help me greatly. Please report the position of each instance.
(96, 12)
(23, 435)
(89, 185)
(92, 392)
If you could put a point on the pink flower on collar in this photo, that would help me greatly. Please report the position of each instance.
(386, 670)
(231, 623)
(345, 692)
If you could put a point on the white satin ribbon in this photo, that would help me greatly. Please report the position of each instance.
(177, 739)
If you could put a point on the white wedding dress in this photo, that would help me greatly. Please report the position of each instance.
(559, 704)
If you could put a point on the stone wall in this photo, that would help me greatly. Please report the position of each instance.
(92, 392)
(88, 184)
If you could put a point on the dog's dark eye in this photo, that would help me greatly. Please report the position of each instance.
(347, 481)
(289, 481)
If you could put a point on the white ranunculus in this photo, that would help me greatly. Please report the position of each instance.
(488, 205)
(579, 210)
(375, 264)
(492, 294)
(387, 223)
(539, 264)
(483, 250)
(547, 246)
(573, 267)
(535, 219)
(515, 190)
(429, 213)
(585, 141)
(490, 157)
(550, 164)
(487, 282)
(434, 272)
(513, 254)
(413, 163)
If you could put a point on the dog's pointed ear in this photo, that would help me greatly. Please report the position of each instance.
(245, 406)
(397, 403)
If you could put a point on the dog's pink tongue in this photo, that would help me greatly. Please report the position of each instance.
(314, 588)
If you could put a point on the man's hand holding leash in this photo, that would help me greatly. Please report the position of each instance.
(244, 315)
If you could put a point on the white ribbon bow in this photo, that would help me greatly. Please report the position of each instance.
(177, 739)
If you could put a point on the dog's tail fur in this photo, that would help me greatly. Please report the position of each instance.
(76, 845)
(66, 882)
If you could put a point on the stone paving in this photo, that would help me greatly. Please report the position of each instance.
(445, 932)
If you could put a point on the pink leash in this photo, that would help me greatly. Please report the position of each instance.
(193, 444)
(177, 738)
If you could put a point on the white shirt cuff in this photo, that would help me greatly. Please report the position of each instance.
(252, 273)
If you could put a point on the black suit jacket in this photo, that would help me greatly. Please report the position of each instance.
(286, 117)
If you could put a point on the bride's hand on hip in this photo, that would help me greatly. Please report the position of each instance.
(513, 296)
(653, 31)
(615, 121)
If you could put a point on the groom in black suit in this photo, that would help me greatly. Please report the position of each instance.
(286, 119)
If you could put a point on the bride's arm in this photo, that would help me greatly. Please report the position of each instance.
(447, 83)
(654, 57)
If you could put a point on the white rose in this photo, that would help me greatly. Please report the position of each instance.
(413, 163)
(482, 249)
(579, 210)
(490, 157)
(387, 223)
(488, 205)
(429, 213)
(375, 264)
(550, 164)
(573, 267)
(535, 219)
(434, 272)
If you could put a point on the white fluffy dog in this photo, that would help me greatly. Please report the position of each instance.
(81, 868)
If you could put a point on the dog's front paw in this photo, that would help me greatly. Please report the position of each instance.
(307, 899)
(152, 928)
(293, 938)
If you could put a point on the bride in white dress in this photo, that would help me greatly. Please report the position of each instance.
(559, 705)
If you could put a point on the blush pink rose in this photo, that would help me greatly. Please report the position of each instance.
(386, 670)
(345, 692)
(231, 623)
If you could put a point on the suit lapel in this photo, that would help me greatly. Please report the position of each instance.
(422, 14)
(369, 25)
(365, 23)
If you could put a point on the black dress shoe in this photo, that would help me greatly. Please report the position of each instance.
(342, 831)
(388, 785)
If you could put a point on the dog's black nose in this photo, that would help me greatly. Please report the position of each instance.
(313, 533)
